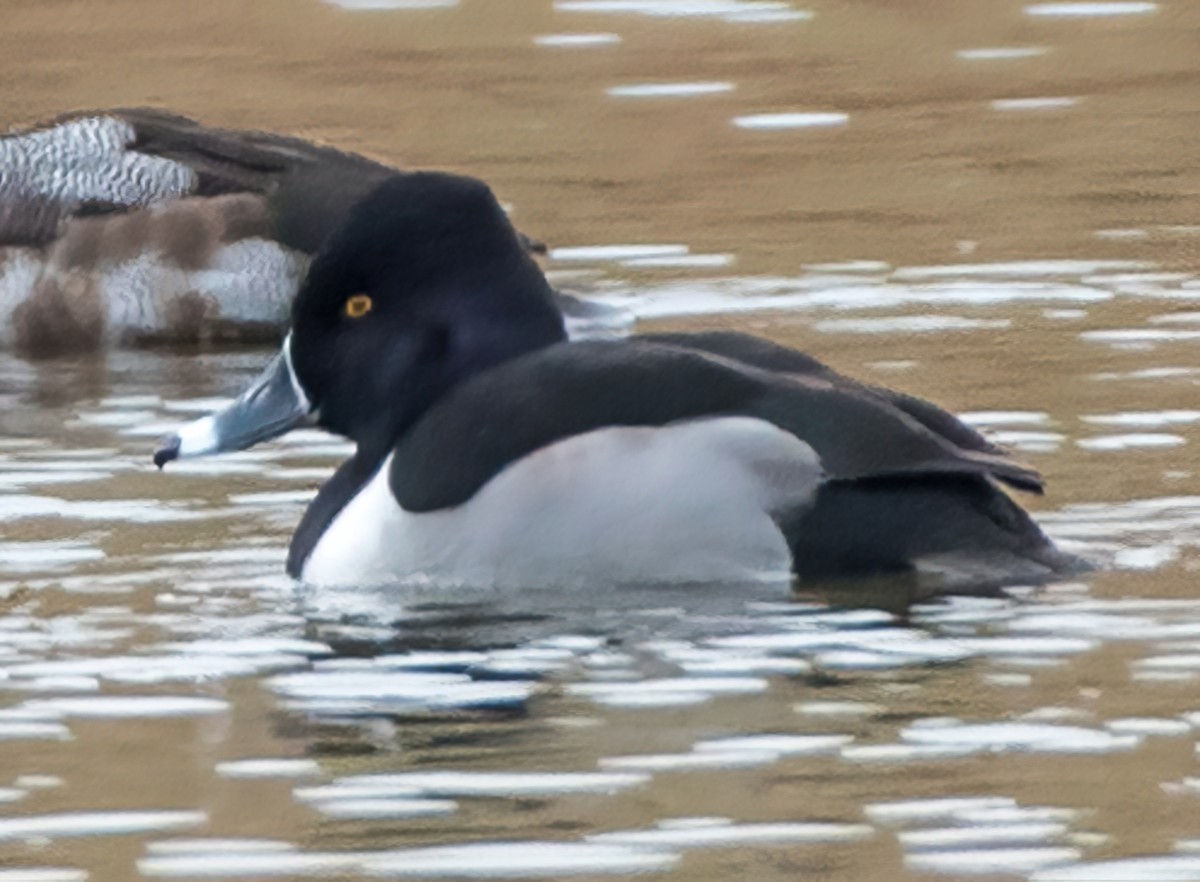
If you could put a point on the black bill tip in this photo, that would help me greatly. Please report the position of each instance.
(167, 450)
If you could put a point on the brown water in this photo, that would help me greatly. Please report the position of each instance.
(120, 582)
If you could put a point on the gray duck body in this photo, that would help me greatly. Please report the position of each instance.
(131, 226)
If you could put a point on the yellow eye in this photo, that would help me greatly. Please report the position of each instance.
(358, 306)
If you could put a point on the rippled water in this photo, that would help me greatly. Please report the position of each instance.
(986, 204)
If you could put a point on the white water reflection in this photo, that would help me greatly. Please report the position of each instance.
(1139, 335)
(1085, 9)
(724, 833)
(230, 846)
(994, 418)
(1149, 419)
(1149, 726)
(38, 556)
(117, 707)
(21, 730)
(795, 120)
(1132, 439)
(268, 768)
(648, 693)
(990, 861)
(110, 823)
(1023, 737)
(1019, 269)
(572, 41)
(862, 286)
(374, 5)
(690, 762)
(1032, 442)
(729, 10)
(904, 812)
(1001, 53)
(516, 785)
(680, 261)
(982, 836)
(668, 90)
(476, 860)
(352, 694)
(1147, 869)
(617, 252)
(908, 324)
(1056, 103)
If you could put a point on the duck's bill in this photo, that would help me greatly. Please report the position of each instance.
(274, 404)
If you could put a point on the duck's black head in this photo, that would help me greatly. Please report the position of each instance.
(425, 284)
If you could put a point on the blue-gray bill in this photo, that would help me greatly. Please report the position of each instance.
(273, 405)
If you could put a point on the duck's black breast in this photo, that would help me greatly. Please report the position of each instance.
(333, 496)
(501, 415)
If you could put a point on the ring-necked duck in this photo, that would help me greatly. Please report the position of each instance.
(125, 226)
(491, 451)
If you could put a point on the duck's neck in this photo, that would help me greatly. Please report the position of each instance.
(470, 349)
(504, 333)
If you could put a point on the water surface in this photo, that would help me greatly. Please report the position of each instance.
(984, 204)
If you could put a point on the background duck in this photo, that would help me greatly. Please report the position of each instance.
(128, 226)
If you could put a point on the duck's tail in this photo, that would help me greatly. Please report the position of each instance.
(957, 534)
